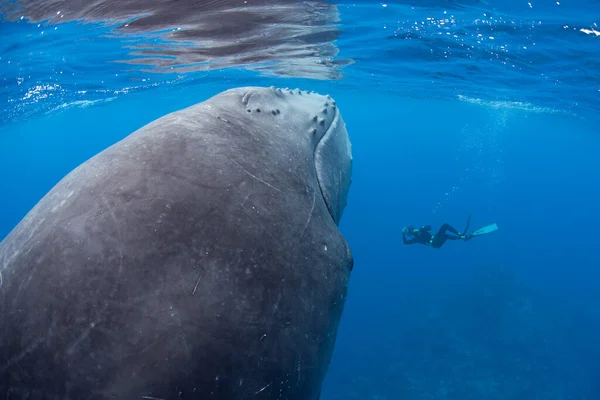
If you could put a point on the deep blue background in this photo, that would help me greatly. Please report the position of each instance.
(511, 315)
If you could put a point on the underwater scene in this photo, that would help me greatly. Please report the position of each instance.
(300, 200)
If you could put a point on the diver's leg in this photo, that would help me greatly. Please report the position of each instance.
(448, 228)
(441, 236)
(439, 240)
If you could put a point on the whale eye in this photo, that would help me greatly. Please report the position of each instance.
(258, 110)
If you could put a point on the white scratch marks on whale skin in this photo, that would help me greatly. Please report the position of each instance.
(119, 238)
(245, 199)
(255, 177)
(312, 208)
(23, 354)
(196, 287)
(81, 338)
(260, 390)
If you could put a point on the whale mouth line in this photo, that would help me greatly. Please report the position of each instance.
(328, 172)
(328, 132)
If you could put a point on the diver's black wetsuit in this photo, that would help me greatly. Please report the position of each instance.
(424, 236)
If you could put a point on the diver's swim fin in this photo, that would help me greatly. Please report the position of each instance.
(468, 224)
(486, 229)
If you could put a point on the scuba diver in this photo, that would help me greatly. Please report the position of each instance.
(446, 232)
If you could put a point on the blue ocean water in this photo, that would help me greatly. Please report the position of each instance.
(453, 108)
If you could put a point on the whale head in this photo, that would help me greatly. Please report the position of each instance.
(312, 120)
